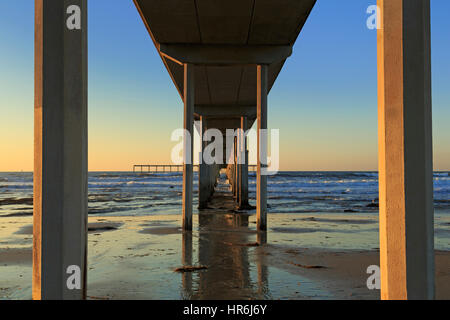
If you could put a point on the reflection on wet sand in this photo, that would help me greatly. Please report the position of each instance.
(224, 245)
(186, 260)
(263, 270)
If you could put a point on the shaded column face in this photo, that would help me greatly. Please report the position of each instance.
(243, 180)
(203, 172)
(188, 124)
(236, 170)
(405, 150)
(261, 180)
(60, 150)
(204, 128)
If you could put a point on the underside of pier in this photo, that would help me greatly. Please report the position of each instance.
(223, 58)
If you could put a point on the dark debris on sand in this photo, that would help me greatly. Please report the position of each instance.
(190, 268)
(308, 266)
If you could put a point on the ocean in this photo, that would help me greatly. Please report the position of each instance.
(128, 193)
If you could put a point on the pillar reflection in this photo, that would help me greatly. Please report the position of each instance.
(226, 245)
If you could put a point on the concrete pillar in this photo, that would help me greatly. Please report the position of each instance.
(231, 176)
(203, 171)
(243, 168)
(236, 169)
(188, 149)
(203, 185)
(261, 180)
(60, 152)
(405, 150)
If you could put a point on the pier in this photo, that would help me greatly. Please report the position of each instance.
(167, 168)
(161, 168)
(223, 58)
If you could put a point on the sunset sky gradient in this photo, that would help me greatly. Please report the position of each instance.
(324, 101)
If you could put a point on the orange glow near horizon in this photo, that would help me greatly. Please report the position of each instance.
(113, 150)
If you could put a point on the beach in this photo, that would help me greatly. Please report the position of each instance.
(135, 258)
(146, 255)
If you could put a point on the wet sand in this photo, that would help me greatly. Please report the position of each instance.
(136, 258)
(150, 257)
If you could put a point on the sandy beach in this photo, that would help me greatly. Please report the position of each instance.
(310, 255)
(137, 257)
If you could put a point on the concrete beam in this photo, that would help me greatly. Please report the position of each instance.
(225, 111)
(405, 150)
(223, 55)
(261, 180)
(60, 151)
(188, 149)
(223, 123)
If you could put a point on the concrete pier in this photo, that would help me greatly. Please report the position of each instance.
(225, 61)
(60, 150)
(159, 168)
(203, 172)
(188, 148)
(405, 151)
(214, 69)
(243, 167)
(237, 168)
(231, 175)
(261, 179)
(203, 185)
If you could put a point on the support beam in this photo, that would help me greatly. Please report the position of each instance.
(261, 179)
(405, 150)
(225, 111)
(223, 55)
(188, 173)
(224, 123)
(60, 152)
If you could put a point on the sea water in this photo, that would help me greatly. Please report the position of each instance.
(127, 193)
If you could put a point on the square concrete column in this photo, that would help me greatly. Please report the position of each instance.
(203, 170)
(405, 150)
(261, 179)
(188, 149)
(60, 150)
(243, 168)
(236, 168)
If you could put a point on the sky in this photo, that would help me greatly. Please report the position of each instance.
(324, 101)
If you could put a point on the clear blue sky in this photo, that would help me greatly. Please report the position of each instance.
(324, 101)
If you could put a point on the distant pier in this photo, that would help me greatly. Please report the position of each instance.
(167, 168)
